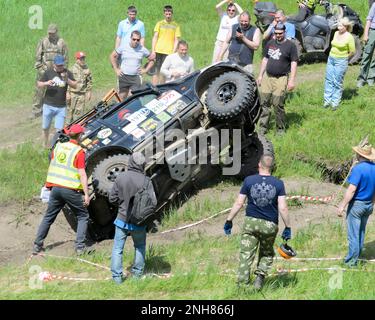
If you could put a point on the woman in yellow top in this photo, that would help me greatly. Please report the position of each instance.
(343, 47)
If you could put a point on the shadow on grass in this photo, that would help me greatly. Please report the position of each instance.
(281, 281)
(349, 93)
(368, 251)
(156, 263)
(293, 118)
(57, 244)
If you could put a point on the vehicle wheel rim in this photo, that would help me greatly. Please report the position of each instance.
(227, 92)
(114, 171)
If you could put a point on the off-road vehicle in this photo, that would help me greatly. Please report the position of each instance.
(210, 114)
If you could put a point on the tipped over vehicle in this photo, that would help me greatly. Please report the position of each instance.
(190, 130)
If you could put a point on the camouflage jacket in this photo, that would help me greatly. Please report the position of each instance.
(46, 52)
(83, 77)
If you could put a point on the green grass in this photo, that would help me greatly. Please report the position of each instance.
(204, 267)
(91, 27)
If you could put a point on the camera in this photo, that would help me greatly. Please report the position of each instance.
(239, 29)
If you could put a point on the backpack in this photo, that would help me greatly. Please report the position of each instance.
(141, 207)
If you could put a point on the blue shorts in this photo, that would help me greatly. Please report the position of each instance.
(50, 112)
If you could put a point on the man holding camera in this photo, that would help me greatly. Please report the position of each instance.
(265, 200)
(242, 40)
(56, 81)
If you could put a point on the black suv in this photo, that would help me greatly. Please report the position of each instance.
(191, 130)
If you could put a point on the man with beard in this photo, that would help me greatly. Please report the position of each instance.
(243, 39)
(47, 49)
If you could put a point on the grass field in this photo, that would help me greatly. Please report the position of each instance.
(203, 267)
(91, 26)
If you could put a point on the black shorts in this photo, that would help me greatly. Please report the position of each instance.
(160, 57)
(129, 82)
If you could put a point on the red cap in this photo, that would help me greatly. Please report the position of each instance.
(76, 128)
(80, 54)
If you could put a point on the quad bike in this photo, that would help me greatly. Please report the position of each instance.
(221, 96)
(314, 35)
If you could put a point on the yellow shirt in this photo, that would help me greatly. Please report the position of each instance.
(342, 48)
(167, 31)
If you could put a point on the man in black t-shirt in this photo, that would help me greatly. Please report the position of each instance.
(266, 198)
(56, 80)
(279, 68)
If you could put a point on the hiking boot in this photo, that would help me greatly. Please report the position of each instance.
(37, 249)
(360, 83)
(325, 106)
(258, 283)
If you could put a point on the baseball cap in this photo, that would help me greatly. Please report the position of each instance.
(76, 128)
(52, 28)
(59, 60)
(80, 54)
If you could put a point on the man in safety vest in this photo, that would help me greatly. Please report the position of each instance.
(306, 9)
(67, 180)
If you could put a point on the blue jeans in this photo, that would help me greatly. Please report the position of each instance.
(333, 86)
(139, 239)
(356, 220)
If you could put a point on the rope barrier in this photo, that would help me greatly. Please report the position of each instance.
(309, 198)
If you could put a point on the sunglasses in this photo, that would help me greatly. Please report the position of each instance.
(229, 10)
(136, 39)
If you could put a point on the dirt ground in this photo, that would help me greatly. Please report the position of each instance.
(19, 222)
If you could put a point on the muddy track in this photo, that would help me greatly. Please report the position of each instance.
(19, 222)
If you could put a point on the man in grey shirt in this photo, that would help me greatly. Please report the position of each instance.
(179, 64)
(130, 71)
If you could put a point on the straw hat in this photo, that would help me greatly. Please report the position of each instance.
(365, 151)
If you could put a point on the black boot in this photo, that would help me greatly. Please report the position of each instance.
(258, 283)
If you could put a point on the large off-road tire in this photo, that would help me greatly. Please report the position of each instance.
(229, 95)
(107, 170)
(250, 156)
(358, 51)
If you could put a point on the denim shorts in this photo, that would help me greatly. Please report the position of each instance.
(50, 112)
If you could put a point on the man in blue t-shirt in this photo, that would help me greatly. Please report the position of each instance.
(266, 198)
(360, 198)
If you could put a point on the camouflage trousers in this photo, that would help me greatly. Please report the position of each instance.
(273, 93)
(76, 106)
(39, 93)
(256, 233)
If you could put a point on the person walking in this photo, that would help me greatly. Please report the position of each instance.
(46, 50)
(127, 26)
(276, 76)
(179, 64)
(164, 42)
(56, 81)
(130, 71)
(243, 39)
(359, 200)
(266, 199)
(342, 48)
(124, 189)
(79, 96)
(367, 71)
(227, 20)
(67, 180)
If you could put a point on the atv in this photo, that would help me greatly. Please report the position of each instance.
(314, 35)
(190, 130)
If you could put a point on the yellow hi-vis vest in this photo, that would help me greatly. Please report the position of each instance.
(61, 170)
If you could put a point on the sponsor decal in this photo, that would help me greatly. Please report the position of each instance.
(139, 116)
(155, 106)
(163, 116)
(106, 141)
(129, 128)
(123, 114)
(175, 107)
(86, 142)
(149, 125)
(105, 133)
(137, 133)
(169, 97)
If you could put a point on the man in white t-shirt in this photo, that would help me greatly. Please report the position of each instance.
(227, 20)
(179, 64)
